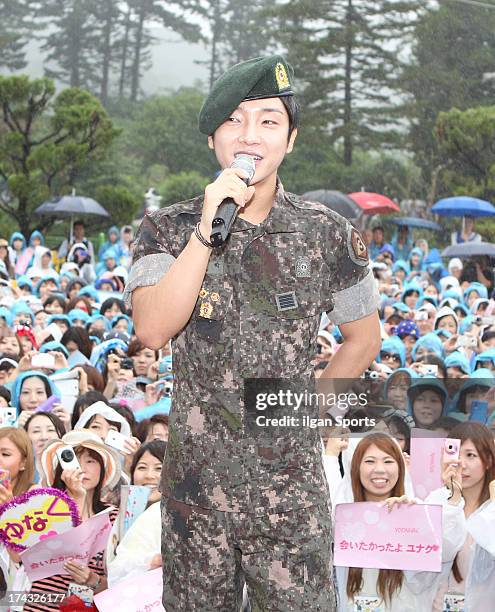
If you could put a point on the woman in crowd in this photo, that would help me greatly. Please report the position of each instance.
(143, 359)
(145, 471)
(377, 474)
(42, 427)
(16, 456)
(30, 390)
(112, 307)
(427, 401)
(100, 469)
(154, 428)
(10, 344)
(472, 572)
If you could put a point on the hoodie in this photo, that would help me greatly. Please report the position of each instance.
(395, 346)
(431, 342)
(19, 381)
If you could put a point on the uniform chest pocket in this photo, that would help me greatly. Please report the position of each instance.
(214, 302)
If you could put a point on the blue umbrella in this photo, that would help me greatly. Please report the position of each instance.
(470, 249)
(461, 206)
(417, 222)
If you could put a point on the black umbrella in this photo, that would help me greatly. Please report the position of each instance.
(417, 222)
(71, 206)
(470, 249)
(336, 201)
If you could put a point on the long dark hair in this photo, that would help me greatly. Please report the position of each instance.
(389, 581)
(58, 483)
(56, 422)
(482, 438)
(156, 448)
(81, 337)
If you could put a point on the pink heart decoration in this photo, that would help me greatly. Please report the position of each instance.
(48, 535)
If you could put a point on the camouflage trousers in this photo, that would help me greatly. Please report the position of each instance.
(285, 559)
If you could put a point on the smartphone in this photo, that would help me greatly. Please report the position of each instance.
(421, 315)
(451, 450)
(467, 342)
(4, 478)
(43, 360)
(8, 416)
(479, 411)
(67, 458)
(117, 440)
(47, 405)
(55, 332)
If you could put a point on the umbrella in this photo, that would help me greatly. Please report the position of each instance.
(336, 201)
(460, 206)
(470, 249)
(70, 206)
(417, 222)
(374, 203)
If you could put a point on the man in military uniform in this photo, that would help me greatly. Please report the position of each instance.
(239, 507)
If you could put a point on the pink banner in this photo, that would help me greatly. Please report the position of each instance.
(426, 462)
(407, 538)
(47, 558)
(138, 593)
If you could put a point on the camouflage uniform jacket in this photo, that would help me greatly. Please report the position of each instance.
(256, 316)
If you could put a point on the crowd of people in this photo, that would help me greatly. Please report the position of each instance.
(63, 312)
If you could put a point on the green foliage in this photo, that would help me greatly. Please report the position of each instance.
(165, 131)
(182, 186)
(307, 169)
(45, 142)
(119, 202)
(16, 21)
(467, 150)
(452, 66)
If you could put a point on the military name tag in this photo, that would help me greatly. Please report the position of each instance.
(286, 301)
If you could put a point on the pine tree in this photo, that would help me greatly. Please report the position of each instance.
(15, 26)
(346, 55)
(452, 65)
(173, 14)
(109, 14)
(235, 33)
(71, 42)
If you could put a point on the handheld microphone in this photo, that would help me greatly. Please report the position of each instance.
(228, 209)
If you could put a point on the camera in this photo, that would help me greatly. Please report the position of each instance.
(126, 364)
(371, 374)
(67, 458)
(451, 450)
(67, 455)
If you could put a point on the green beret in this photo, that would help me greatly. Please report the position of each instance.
(261, 77)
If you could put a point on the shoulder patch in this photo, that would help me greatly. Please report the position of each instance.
(298, 202)
(358, 251)
(190, 207)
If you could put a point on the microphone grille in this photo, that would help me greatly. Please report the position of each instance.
(246, 163)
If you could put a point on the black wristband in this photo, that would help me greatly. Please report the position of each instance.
(201, 238)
